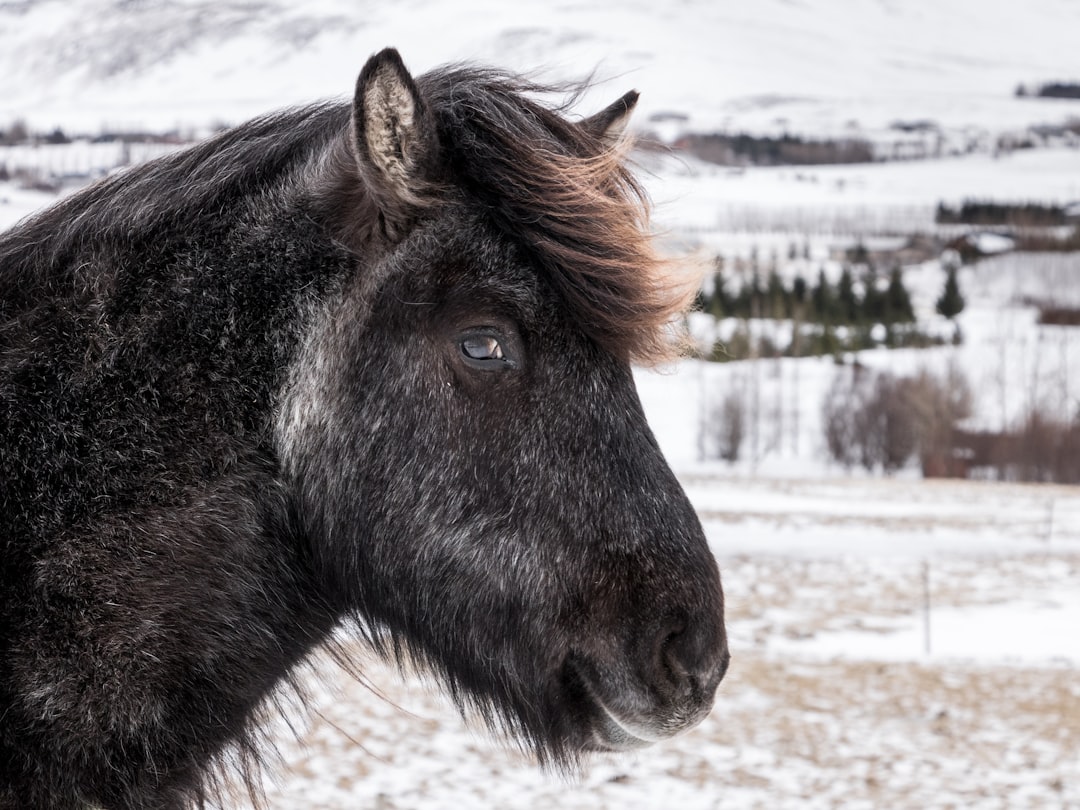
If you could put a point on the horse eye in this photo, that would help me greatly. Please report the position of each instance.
(482, 347)
(486, 351)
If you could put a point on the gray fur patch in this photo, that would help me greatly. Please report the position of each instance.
(391, 120)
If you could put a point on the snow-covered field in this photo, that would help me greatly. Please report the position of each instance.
(715, 202)
(897, 643)
(844, 691)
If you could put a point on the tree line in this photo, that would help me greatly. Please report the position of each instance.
(828, 317)
(844, 303)
(1050, 90)
(786, 150)
(985, 212)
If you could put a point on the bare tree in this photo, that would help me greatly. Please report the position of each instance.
(729, 426)
(880, 421)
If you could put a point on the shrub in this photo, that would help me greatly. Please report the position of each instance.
(880, 421)
(727, 426)
(937, 404)
(844, 403)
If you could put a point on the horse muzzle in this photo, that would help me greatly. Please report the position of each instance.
(669, 690)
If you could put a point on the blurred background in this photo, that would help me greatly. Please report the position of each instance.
(880, 420)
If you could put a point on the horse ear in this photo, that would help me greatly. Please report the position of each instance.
(395, 139)
(608, 124)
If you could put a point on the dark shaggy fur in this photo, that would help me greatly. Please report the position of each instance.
(362, 363)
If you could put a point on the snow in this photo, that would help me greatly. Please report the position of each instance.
(714, 201)
(991, 243)
(1025, 630)
(812, 66)
(16, 203)
(832, 699)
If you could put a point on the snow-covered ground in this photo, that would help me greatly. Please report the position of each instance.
(896, 644)
(1011, 363)
(713, 202)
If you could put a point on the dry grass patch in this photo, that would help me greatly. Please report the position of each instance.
(903, 734)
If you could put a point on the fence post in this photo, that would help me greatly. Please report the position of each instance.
(926, 605)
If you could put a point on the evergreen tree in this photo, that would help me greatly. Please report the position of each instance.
(846, 301)
(750, 297)
(951, 302)
(874, 309)
(720, 303)
(858, 254)
(702, 301)
(827, 342)
(897, 301)
(799, 295)
(822, 300)
(799, 290)
(778, 299)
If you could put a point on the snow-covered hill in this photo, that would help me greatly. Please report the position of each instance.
(797, 65)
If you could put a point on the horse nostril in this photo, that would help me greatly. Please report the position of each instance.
(670, 656)
(691, 657)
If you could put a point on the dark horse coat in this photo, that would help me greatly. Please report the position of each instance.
(365, 363)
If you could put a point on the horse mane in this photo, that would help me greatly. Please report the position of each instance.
(39, 257)
(548, 183)
(568, 195)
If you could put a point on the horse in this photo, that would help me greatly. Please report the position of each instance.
(358, 365)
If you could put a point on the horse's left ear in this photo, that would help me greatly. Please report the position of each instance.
(395, 139)
(608, 124)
